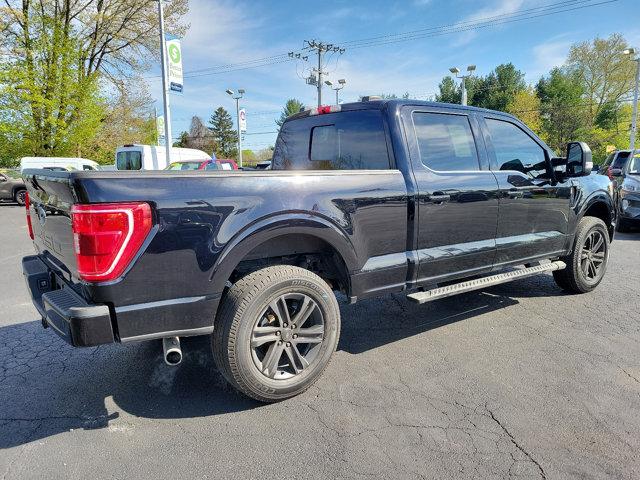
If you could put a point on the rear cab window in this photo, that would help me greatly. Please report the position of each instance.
(445, 142)
(350, 140)
(129, 160)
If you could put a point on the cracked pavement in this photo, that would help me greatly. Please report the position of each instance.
(518, 381)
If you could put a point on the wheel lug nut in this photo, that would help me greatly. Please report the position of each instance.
(295, 335)
(288, 344)
(286, 325)
(279, 343)
(278, 333)
(293, 326)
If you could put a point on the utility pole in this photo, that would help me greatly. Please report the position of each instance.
(634, 118)
(456, 71)
(165, 89)
(237, 99)
(320, 49)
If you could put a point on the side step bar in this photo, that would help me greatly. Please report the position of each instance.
(470, 285)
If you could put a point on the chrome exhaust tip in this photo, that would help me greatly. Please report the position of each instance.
(172, 351)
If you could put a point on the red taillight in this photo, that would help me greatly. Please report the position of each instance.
(27, 204)
(107, 236)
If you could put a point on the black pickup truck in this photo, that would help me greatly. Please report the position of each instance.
(365, 198)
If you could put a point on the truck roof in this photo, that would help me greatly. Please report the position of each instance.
(396, 104)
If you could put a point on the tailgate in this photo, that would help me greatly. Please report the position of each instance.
(51, 198)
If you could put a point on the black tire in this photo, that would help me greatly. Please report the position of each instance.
(19, 196)
(576, 278)
(246, 312)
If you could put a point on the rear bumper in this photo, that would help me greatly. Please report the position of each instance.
(75, 320)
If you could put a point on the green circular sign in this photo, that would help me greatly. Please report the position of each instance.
(174, 53)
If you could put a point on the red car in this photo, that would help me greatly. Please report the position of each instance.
(208, 164)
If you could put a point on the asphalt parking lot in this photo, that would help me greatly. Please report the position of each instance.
(519, 380)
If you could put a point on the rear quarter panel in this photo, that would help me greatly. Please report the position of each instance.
(203, 218)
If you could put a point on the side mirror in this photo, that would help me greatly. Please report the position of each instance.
(579, 159)
(616, 172)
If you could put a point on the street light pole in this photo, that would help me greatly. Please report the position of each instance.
(341, 84)
(634, 117)
(456, 71)
(165, 89)
(237, 99)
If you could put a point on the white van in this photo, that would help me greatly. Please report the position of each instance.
(152, 157)
(58, 163)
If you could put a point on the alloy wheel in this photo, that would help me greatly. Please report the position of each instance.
(287, 336)
(593, 255)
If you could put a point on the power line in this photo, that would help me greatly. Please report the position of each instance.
(484, 22)
(470, 23)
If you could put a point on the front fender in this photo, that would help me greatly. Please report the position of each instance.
(271, 227)
(595, 197)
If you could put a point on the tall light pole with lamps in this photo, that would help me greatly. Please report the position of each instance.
(456, 71)
(341, 83)
(237, 99)
(634, 117)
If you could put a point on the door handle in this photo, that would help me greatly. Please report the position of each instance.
(439, 197)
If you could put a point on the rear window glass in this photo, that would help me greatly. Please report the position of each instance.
(338, 141)
(445, 142)
(129, 160)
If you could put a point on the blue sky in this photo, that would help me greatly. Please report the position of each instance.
(230, 32)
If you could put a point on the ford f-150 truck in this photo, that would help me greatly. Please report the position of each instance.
(366, 199)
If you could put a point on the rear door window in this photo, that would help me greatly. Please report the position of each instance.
(338, 141)
(445, 142)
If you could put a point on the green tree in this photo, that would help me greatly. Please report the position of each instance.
(292, 107)
(248, 157)
(525, 105)
(58, 57)
(449, 92)
(498, 89)
(126, 117)
(562, 107)
(604, 72)
(224, 135)
(183, 140)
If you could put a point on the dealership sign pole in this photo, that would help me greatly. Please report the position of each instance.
(165, 90)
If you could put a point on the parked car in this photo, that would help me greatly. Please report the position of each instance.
(365, 198)
(58, 163)
(264, 165)
(228, 163)
(12, 187)
(628, 194)
(615, 163)
(152, 157)
(207, 164)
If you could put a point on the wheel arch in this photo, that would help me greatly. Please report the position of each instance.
(16, 189)
(600, 205)
(301, 231)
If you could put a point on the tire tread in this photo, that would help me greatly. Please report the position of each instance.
(235, 303)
